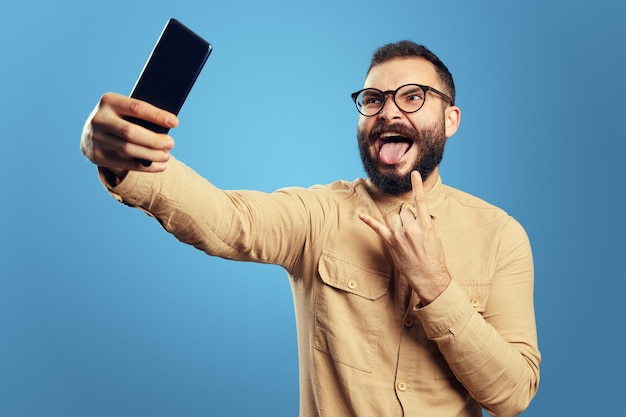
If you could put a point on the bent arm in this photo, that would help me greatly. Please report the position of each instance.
(492, 347)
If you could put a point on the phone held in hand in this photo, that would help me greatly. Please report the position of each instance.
(170, 72)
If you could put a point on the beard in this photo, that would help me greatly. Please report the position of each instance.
(430, 142)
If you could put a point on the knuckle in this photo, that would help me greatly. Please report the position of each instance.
(96, 120)
(97, 155)
(128, 131)
(125, 148)
(106, 99)
(136, 107)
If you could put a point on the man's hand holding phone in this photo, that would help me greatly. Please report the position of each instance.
(124, 134)
(110, 141)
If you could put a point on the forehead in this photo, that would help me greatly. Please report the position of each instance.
(391, 74)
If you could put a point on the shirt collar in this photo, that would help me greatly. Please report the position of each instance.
(388, 203)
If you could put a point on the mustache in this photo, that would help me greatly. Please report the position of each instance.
(402, 130)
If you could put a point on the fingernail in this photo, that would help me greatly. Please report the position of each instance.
(159, 166)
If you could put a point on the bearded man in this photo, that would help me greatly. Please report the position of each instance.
(412, 298)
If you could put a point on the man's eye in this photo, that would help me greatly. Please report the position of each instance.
(372, 100)
(414, 96)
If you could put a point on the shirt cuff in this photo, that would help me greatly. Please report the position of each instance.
(134, 189)
(447, 315)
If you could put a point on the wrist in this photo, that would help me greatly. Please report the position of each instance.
(429, 293)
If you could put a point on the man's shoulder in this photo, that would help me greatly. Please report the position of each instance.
(337, 187)
(464, 210)
(336, 192)
(463, 200)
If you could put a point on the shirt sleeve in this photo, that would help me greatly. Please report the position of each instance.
(492, 351)
(239, 225)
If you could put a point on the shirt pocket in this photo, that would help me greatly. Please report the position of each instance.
(350, 305)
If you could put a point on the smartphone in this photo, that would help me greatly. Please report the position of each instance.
(170, 72)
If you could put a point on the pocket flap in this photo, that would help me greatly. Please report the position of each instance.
(339, 273)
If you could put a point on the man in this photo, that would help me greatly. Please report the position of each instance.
(412, 298)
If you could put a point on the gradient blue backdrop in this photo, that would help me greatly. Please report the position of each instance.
(104, 314)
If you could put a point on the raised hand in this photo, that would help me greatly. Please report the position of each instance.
(110, 141)
(414, 245)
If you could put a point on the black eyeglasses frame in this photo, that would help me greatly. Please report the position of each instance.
(393, 93)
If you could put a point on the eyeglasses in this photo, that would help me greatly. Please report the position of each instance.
(409, 98)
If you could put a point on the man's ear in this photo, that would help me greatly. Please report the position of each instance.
(453, 120)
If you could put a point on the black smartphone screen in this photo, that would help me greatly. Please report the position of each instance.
(171, 71)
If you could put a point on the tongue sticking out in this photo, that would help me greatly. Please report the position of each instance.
(391, 152)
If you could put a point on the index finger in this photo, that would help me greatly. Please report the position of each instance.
(382, 230)
(418, 195)
(132, 107)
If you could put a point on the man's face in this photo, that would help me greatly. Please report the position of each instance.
(393, 143)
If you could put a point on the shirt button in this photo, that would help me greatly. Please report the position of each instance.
(409, 322)
(401, 386)
(475, 302)
(352, 284)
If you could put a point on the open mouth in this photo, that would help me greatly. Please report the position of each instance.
(391, 147)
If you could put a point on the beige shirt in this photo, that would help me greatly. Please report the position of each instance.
(366, 348)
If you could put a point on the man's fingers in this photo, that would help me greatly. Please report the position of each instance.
(108, 127)
(371, 222)
(418, 195)
(382, 230)
(109, 118)
(126, 106)
(111, 151)
(110, 141)
(138, 135)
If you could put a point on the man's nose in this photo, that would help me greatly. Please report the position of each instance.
(390, 110)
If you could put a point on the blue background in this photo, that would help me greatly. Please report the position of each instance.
(104, 314)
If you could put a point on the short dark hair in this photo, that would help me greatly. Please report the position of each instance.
(408, 49)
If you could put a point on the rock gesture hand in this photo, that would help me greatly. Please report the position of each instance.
(414, 245)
